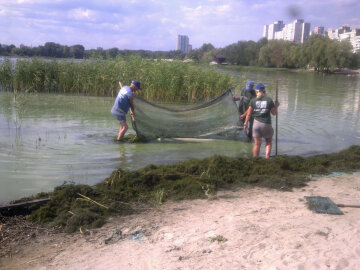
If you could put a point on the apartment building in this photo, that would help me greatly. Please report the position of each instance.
(319, 30)
(346, 33)
(355, 39)
(183, 44)
(297, 31)
(272, 31)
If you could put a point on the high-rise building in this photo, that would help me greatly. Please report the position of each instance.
(298, 31)
(183, 44)
(319, 30)
(355, 39)
(346, 33)
(305, 32)
(271, 30)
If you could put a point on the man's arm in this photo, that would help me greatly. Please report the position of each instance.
(274, 109)
(243, 115)
(132, 107)
(248, 115)
(238, 98)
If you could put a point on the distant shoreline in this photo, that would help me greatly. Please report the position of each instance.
(348, 72)
(343, 71)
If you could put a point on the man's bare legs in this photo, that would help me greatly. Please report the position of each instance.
(122, 130)
(268, 147)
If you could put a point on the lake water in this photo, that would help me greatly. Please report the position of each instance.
(48, 139)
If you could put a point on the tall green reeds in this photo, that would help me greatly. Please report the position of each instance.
(6, 75)
(161, 80)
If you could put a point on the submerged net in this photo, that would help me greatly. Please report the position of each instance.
(216, 119)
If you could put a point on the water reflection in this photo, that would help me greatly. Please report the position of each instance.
(70, 138)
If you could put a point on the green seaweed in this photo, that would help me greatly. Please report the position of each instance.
(219, 239)
(190, 179)
(132, 138)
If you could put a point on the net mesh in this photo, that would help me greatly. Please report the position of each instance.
(323, 205)
(216, 119)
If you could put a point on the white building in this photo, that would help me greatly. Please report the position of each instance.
(355, 40)
(183, 44)
(297, 31)
(271, 30)
(346, 33)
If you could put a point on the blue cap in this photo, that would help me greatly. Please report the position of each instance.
(249, 86)
(137, 84)
(260, 87)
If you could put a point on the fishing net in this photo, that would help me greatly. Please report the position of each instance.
(216, 119)
(323, 205)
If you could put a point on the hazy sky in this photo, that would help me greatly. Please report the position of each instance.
(155, 24)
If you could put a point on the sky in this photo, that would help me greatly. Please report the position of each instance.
(155, 24)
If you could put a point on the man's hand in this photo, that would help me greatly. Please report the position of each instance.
(243, 116)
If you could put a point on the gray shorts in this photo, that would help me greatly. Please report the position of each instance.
(262, 130)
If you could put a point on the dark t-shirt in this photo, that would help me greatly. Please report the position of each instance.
(249, 94)
(245, 98)
(261, 109)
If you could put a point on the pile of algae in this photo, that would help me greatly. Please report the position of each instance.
(73, 207)
(133, 138)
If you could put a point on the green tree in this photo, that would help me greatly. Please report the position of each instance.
(112, 53)
(326, 54)
(52, 49)
(243, 52)
(208, 56)
(318, 52)
(194, 54)
(276, 53)
(355, 61)
(197, 54)
(77, 51)
(206, 47)
(344, 54)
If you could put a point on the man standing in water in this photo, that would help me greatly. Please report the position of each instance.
(246, 95)
(260, 108)
(123, 102)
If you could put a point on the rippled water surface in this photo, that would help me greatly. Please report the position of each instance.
(47, 139)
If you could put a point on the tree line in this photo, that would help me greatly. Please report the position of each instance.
(49, 49)
(320, 52)
(52, 49)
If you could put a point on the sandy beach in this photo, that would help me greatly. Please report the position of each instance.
(243, 229)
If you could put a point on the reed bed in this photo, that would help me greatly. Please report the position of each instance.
(161, 80)
(6, 75)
